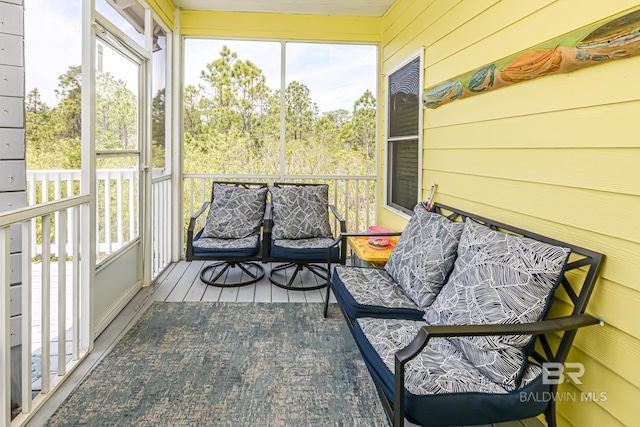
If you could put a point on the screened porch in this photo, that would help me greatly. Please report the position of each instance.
(119, 115)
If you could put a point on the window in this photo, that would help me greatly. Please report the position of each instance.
(53, 94)
(232, 119)
(159, 128)
(231, 106)
(404, 114)
(330, 108)
(127, 16)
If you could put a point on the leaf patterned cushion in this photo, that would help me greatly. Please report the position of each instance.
(440, 368)
(300, 212)
(235, 212)
(424, 255)
(497, 278)
(313, 243)
(215, 243)
(373, 287)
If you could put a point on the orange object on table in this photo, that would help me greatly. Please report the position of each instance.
(377, 257)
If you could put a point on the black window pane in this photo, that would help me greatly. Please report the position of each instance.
(403, 179)
(404, 100)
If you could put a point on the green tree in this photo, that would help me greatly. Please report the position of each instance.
(193, 106)
(158, 121)
(301, 110)
(69, 93)
(116, 114)
(364, 122)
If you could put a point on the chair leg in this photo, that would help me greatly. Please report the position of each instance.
(319, 271)
(289, 284)
(326, 300)
(254, 276)
(550, 414)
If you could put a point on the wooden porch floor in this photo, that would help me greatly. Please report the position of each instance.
(181, 282)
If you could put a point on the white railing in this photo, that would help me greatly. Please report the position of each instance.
(117, 220)
(41, 315)
(353, 196)
(160, 224)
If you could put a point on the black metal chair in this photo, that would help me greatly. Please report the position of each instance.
(231, 235)
(297, 232)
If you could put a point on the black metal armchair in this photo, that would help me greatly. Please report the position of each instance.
(231, 235)
(297, 232)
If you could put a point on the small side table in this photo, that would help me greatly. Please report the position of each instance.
(363, 255)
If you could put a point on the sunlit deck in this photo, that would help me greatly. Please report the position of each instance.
(181, 282)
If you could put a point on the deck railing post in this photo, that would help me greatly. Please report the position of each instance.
(26, 316)
(62, 294)
(5, 337)
(45, 319)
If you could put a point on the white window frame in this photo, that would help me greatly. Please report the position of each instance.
(419, 54)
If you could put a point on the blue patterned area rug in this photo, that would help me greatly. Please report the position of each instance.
(228, 364)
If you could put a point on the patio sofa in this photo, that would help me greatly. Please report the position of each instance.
(467, 318)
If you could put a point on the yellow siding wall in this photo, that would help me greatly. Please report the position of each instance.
(280, 26)
(164, 9)
(559, 155)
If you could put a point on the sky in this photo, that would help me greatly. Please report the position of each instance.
(53, 42)
(336, 74)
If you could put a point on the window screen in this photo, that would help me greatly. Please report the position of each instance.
(403, 137)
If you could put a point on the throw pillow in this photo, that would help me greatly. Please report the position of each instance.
(300, 212)
(498, 278)
(235, 212)
(424, 255)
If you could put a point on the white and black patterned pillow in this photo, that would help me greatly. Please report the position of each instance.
(235, 212)
(497, 278)
(300, 212)
(424, 255)
(439, 368)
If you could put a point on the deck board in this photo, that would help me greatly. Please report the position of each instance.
(181, 289)
(182, 283)
(165, 286)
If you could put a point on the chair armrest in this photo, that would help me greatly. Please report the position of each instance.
(343, 236)
(339, 217)
(403, 356)
(268, 219)
(535, 328)
(267, 227)
(194, 217)
(190, 230)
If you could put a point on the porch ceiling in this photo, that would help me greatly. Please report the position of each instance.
(311, 7)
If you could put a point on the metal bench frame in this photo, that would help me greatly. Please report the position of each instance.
(575, 289)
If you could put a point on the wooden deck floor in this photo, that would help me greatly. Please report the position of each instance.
(181, 282)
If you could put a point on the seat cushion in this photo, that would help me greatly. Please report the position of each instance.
(424, 255)
(371, 292)
(498, 278)
(441, 381)
(300, 212)
(314, 249)
(235, 212)
(226, 248)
